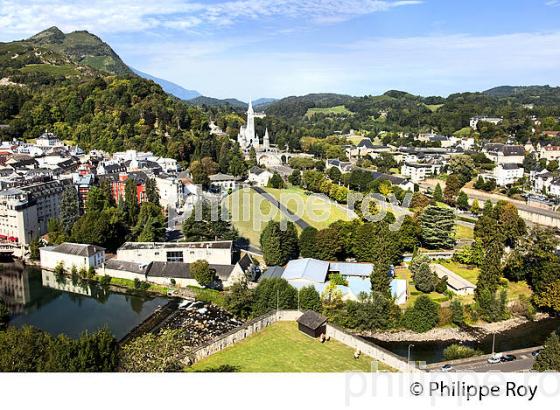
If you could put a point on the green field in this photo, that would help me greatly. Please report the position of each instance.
(413, 293)
(339, 109)
(433, 107)
(317, 212)
(466, 272)
(250, 212)
(64, 70)
(463, 232)
(281, 347)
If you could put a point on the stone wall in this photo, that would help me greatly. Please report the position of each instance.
(369, 349)
(242, 332)
(256, 325)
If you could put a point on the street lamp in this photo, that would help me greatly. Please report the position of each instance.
(410, 346)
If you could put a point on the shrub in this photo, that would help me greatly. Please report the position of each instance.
(423, 316)
(457, 351)
(309, 299)
(105, 280)
(202, 273)
(457, 313)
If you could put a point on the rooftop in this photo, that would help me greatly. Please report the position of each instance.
(77, 249)
(176, 245)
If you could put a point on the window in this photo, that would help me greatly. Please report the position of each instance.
(175, 256)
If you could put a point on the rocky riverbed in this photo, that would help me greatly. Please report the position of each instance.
(200, 323)
(470, 334)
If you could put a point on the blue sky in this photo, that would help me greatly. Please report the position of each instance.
(276, 48)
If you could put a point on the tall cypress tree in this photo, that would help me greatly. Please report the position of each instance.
(131, 201)
(69, 209)
(438, 227)
(279, 246)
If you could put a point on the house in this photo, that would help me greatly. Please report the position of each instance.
(504, 154)
(548, 152)
(418, 172)
(507, 174)
(48, 139)
(224, 182)
(259, 177)
(399, 291)
(104, 168)
(341, 165)
(214, 252)
(72, 254)
(312, 324)
(475, 120)
(455, 283)
(541, 180)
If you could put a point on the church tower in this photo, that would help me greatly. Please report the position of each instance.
(266, 141)
(251, 137)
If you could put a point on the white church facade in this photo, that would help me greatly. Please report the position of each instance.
(248, 137)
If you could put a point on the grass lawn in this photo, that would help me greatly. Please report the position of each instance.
(250, 212)
(466, 272)
(433, 107)
(339, 109)
(208, 295)
(317, 212)
(127, 283)
(413, 293)
(516, 289)
(281, 347)
(463, 232)
(64, 70)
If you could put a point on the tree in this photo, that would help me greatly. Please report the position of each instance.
(276, 181)
(422, 316)
(457, 313)
(34, 246)
(107, 228)
(375, 312)
(201, 170)
(279, 245)
(549, 358)
(152, 192)
(328, 245)
(453, 185)
(549, 298)
(475, 207)
(151, 224)
(309, 299)
(308, 242)
(4, 315)
(153, 353)
(462, 201)
(438, 227)
(202, 273)
(55, 231)
(424, 279)
(334, 174)
(463, 166)
(204, 228)
(295, 177)
(99, 198)
(69, 208)
(131, 206)
(438, 193)
(239, 300)
(272, 294)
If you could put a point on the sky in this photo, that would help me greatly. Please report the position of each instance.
(277, 48)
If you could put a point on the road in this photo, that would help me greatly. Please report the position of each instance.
(292, 217)
(480, 364)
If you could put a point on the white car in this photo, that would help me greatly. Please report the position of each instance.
(494, 360)
(446, 368)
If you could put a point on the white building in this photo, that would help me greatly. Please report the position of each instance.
(259, 177)
(48, 139)
(475, 120)
(72, 254)
(548, 152)
(25, 211)
(214, 252)
(418, 172)
(507, 174)
(224, 182)
(248, 137)
(504, 154)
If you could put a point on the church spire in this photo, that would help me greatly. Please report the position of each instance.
(250, 109)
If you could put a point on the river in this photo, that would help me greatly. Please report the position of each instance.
(61, 305)
(526, 335)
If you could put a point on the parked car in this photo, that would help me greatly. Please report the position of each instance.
(494, 359)
(446, 368)
(536, 353)
(508, 358)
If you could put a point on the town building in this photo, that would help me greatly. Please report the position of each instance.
(214, 252)
(342, 166)
(418, 172)
(71, 255)
(548, 152)
(224, 182)
(475, 120)
(259, 176)
(504, 154)
(248, 137)
(48, 139)
(508, 174)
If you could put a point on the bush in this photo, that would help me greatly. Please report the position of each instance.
(274, 293)
(423, 316)
(457, 351)
(202, 273)
(457, 313)
(105, 280)
(441, 285)
(309, 299)
(239, 300)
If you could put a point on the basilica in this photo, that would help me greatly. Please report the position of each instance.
(248, 138)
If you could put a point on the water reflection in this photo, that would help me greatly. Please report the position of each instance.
(69, 305)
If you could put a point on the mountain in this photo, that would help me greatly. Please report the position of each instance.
(169, 87)
(81, 48)
(216, 102)
(527, 91)
(297, 106)
(262, 103)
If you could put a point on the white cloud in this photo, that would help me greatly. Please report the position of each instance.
(553, 3)
(25, 17)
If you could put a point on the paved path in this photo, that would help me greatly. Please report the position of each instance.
(291, 217)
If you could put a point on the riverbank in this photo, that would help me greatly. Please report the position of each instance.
(471, 334)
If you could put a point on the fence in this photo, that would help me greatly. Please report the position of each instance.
(256, 325)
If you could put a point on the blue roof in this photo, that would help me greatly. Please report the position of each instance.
(358, 285)
(309, 269)
(352, 269)
(272, 272)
